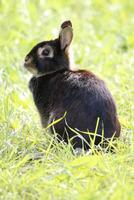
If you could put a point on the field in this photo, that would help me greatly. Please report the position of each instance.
(103, 43)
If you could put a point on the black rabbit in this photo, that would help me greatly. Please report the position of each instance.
(80, 94)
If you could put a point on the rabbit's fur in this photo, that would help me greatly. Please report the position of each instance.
(57, 89)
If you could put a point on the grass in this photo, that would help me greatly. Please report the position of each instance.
(103, 43)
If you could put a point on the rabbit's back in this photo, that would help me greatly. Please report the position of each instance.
(83, 96)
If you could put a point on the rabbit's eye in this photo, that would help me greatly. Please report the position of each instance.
(46, 51)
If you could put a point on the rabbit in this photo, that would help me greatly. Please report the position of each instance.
(57, 89)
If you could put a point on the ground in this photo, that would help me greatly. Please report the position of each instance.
(103, 43)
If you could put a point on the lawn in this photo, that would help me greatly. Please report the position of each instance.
(103, 43)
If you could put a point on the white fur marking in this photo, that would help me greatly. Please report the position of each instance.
(51, 53)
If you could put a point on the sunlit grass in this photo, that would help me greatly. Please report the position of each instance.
(32, 164)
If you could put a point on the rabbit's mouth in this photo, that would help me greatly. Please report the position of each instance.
(28, 64)
(28, 61)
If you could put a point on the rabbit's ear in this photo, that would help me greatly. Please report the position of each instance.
(66, 34)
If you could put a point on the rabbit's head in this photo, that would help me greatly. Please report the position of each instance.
(51, 56)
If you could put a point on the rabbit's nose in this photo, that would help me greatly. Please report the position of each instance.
(26, 58)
